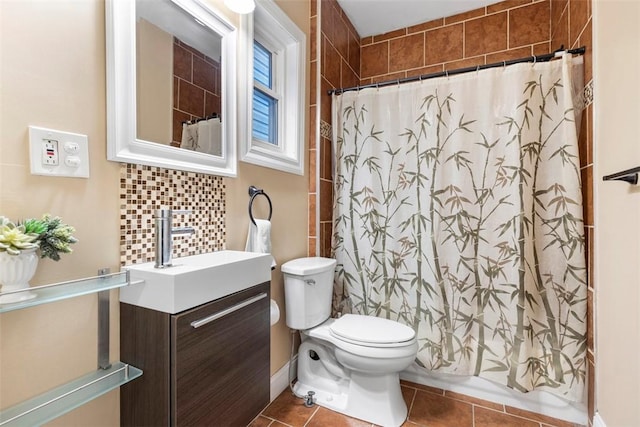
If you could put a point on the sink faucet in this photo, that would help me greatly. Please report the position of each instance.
(164, 235)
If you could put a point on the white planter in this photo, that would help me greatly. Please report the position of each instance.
(15, 273)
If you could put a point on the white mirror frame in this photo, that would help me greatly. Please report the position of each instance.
(122, 142)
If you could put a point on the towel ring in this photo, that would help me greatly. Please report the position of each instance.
(255, 192)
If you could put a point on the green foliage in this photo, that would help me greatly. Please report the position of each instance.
(15, 238)
(49, 234)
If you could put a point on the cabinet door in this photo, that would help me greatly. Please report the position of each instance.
(220, 368)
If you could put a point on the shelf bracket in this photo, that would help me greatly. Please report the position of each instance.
(103, 324)
(629, 175)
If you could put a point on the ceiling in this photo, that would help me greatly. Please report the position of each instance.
(372, 17)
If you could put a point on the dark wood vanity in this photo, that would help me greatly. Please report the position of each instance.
(206, 366)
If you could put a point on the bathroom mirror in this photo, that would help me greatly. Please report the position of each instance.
(171, 85)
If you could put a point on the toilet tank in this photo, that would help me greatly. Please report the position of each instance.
(308, 290)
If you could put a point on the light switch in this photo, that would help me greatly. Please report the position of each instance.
(57, 153)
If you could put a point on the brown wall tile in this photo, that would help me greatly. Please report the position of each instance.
(354, 53)
(561, 33)
(507, 55)
(508, 4)
(587, 194)
(204, 75)
(542, 48)
(341, 33)
(328, 19)
(326, 200)
(211, 104)
(313, 82)
(390, 35)
(312, 213)
(465, 16)
(430, 25)
(464, 63)
(587, 41)
(487, 34)
(529, 24)
(444, 44)
(331, 64)
(557, 9)
(366, 40)
(374, 59)
(181, 62)
(579, 12)
(387, 77)
(191, 99)
(349, 77)
(313, 51)
(432, 69)
(406, 52)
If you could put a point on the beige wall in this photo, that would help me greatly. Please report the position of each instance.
(617, 210)
(52, 74)
(288, 194)
(154, 61)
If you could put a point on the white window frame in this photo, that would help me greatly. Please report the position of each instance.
(278, 33)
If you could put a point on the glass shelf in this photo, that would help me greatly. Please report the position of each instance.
(37, 295)
(63, 399)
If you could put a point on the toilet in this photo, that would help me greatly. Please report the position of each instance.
(350, 364)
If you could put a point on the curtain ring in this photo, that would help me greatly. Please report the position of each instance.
(378, 86)
(477, 69)
(446, 73)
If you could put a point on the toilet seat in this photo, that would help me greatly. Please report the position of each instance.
(371, 331)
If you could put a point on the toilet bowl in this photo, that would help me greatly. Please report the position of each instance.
(351, 364)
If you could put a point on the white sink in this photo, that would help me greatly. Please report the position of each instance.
(194, 280)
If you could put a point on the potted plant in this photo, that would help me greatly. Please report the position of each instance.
(20, 245)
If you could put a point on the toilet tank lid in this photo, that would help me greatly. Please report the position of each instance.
(306, 266)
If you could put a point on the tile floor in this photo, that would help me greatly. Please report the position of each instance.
(428, 407)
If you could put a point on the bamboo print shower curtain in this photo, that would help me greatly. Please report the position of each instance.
(458, 211)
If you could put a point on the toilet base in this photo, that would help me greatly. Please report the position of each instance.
(373, 398)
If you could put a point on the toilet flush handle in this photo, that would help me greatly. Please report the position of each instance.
(310, 282)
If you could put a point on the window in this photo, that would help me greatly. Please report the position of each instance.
(276, 137)
(265, 98)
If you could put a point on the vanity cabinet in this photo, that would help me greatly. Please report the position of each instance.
(206, 366)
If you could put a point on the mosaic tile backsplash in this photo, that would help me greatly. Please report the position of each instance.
(143, 189)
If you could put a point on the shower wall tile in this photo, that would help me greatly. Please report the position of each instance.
(444, 44)
(143, 189)
(339, 57)
(465, 16)
(406, 52)
(426, 26)
(374, 59)
(502, 31)
(579, 12)
(390, 35)
(506, 55)
(196, 91)
(486, 34)
(529, 24)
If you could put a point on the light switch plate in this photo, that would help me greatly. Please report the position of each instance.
(72, 153)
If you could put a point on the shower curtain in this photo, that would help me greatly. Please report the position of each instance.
(458, 211)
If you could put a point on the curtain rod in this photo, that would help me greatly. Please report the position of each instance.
(539, 58)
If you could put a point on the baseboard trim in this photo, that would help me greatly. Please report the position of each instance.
(598, 421)
(280, 380)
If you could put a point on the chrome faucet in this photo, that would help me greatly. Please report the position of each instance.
(163, 219)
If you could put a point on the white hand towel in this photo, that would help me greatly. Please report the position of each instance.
(259, 238)
(215, 136)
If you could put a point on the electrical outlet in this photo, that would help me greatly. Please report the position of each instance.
(56, 153)
(50, 152)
